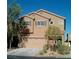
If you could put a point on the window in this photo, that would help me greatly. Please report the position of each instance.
(40, 23)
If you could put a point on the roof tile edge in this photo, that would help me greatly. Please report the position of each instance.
(27, 15)
(50, 13)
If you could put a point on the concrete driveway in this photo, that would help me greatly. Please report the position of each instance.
(24, 52)
(28, 53)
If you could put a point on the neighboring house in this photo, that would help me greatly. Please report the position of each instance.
(38, 23)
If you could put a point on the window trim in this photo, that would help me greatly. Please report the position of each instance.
(43, 24)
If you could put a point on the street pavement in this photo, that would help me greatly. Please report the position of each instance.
(32, 57)
(29, 53)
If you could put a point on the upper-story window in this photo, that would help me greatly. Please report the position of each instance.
(40, 23)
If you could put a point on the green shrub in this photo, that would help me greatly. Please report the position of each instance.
(45, 51)
(46, 47)
(41, 52)
(63, 49)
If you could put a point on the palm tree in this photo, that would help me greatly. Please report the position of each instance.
(13, 13)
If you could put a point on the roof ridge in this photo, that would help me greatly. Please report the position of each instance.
(50, 13)
(36, 12)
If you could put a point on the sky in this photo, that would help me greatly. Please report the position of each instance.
(60, 7)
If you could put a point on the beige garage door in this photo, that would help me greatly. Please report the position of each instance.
(35, 43)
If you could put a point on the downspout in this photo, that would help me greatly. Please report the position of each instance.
(64, 31)
(47, 36)
(33, 25)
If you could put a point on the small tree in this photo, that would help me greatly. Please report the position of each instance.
(63, 49)
(53, 31)
(23, 31)
(52, 34)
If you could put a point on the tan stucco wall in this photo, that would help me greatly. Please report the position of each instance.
(38, 31)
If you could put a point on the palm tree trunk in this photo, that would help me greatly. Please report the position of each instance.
(10, 45)
(19, 38)
(11, 41)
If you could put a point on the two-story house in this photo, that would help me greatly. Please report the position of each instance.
(38, 23)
